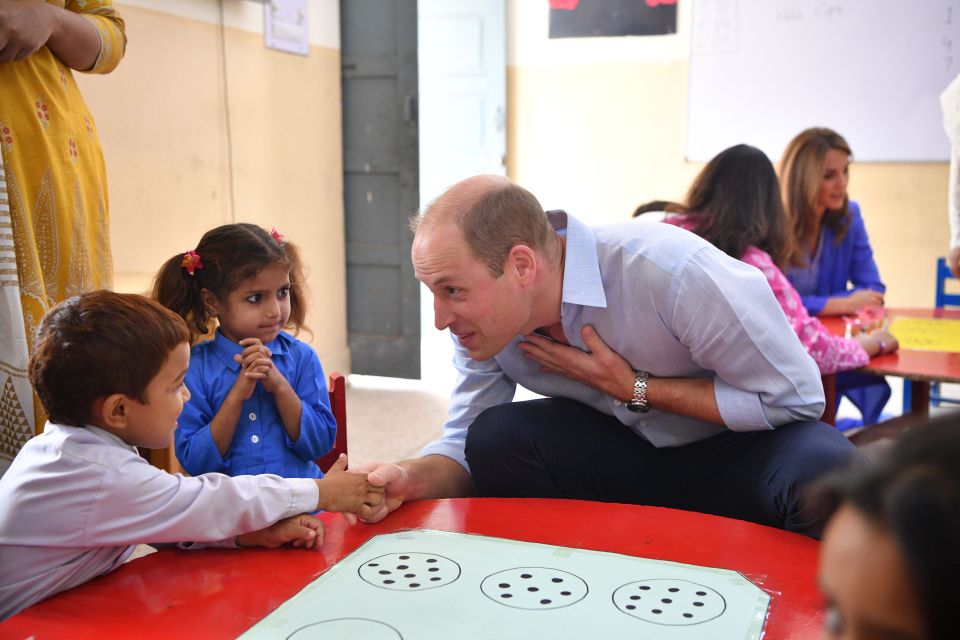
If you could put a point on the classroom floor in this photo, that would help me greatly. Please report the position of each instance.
(390, 419)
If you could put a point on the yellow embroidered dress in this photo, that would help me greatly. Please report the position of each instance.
(56, 194)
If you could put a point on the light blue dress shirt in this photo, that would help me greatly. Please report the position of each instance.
(671, 304)
(260, 443)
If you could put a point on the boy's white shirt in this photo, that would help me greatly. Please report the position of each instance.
(76, 502)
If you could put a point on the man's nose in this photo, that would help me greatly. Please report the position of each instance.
(186, 394)
(442, 318)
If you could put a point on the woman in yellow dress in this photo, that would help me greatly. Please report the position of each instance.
(54, 224)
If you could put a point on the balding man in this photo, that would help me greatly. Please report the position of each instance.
(670, 373)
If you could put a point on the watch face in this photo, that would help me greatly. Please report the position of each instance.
(638, 407)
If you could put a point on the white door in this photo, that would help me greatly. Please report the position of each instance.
(462, 85)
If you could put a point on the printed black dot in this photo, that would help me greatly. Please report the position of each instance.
(404, 557)
(506, 595)
(658, 611)
(414, 585)
(434, 578)
(409, 575)
(532, 589)
(673, 589)
(644, 588)
(544, 601)
(631, 607)
(525, 576)
(431, 560)
(698, 604)
(374, 564)
(388, 581)
(401, 567)
(433, 569)
(634, 597)
(503, 585)
(383, 572)
(557, 580)
(565, 593)
(688, 615)
(666, 600)
(701, 593)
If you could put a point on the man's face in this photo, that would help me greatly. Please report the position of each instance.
(151, 425)
(483, 312)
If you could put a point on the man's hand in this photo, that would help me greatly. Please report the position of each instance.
(601, 367)
(348, 491)
(395, 481)
(303, 531)
(25, 26)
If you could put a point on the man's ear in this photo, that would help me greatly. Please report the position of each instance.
(523, 261)
(112, 411)
(210, 302)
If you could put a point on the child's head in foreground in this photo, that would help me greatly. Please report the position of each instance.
(114, 361)
(890, 558)
(250, 279)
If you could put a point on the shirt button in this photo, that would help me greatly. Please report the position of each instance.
(254, 438)
(617, 402)
(643, 423)
(252, 416)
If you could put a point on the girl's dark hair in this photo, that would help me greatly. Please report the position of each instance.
(230, 254)
(97, 344)
(801, 170)
(914, 493)
(735, 202)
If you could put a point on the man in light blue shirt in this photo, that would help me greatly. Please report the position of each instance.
(672, 377)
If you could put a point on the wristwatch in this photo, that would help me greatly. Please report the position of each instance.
(638, 403)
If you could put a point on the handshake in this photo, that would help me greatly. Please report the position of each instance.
(355, 494)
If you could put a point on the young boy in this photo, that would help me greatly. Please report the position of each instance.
(78, 499)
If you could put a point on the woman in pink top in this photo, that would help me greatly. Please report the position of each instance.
(735, 204)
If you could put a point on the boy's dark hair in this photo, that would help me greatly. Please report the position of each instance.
(97, 344)
(229, 254)
(658, 206)
(914, 494)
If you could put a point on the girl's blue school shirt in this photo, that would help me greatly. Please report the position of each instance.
(260, 443)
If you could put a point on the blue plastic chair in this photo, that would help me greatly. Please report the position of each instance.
(942, 299)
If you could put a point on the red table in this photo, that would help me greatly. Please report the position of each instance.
(919, 367)
(221, 593)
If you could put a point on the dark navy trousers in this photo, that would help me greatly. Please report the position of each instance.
(559, 448)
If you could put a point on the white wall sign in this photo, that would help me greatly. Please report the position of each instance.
(286, 27)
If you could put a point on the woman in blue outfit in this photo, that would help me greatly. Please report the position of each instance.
(831, 262)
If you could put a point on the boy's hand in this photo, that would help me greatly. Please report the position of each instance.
(348, 491)
(303, 531)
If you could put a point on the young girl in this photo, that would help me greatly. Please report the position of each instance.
(259, 400)
(889, 558)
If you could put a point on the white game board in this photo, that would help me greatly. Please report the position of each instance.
(422, 584)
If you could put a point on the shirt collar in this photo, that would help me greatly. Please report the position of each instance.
(582, 284)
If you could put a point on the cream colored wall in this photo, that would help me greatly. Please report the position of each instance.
(162, 120)
(596, 126)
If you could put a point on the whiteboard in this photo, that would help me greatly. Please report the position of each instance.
(761, 71)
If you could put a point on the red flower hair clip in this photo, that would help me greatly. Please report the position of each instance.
(191, 261)
(277, 236)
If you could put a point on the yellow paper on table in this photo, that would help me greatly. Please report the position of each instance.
(927, 334)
